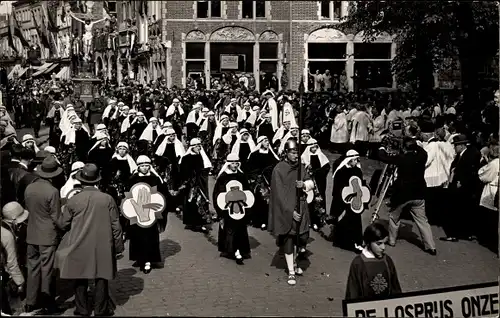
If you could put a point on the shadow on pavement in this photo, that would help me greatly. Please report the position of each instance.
(169, 248)
(253, 242)
(125, 285)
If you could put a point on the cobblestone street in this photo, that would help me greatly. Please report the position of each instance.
(196, 281)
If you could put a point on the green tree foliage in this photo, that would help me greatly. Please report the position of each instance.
(429, 34)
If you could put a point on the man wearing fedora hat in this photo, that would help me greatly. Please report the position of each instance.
(95, 235)
(19, 172)
(465, 189)
(43, 202)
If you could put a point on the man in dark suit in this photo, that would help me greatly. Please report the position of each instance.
(18, 171)
(464, 191)
(43, 203)
(409, 191)
(96, 237)
(36, 110)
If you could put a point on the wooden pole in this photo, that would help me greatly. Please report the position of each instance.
(299, 169)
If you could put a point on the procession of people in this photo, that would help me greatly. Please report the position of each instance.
(138, 152)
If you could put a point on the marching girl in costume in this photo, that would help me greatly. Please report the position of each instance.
(293, 133)
(349, 199)
(137, 126)
(318, 167)
(109, 111)
(207, 125)
(192, 121)
(194, 168)
(72, 183)
(260, 167)
(74, 143)
(148, 136)
(167, 156)
(224, 147)
(265, 126)
(244, 115)
(243, 146)
(122, 167)
(124, 128)
(100, 154)
(280, 134)
(232, 201)
(145, 241)
(30, 143)
(175, 114)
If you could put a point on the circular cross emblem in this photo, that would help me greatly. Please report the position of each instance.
(235, 200)
(356, 194)
(143, 205)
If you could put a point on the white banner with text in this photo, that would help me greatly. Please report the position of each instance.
(480, 300)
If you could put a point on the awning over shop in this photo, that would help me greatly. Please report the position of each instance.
(51, 68)
(14, 70)
(42, 69)
(63, 73)
(22, 72)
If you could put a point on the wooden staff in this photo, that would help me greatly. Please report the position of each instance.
(299, 169)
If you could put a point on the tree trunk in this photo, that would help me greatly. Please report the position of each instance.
(469, 63)
(424, 66)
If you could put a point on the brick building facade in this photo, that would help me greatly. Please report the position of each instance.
(270, 38)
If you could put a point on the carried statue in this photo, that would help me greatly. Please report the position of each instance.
(87, 36)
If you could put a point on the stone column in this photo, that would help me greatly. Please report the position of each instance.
(256, 64)
(110, 66)
(393, 55)
(350, 63)
(119, 68)
(207, 65)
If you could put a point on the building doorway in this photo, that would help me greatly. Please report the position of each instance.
(231, 58)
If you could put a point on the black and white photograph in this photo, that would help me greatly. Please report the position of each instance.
(250, 158)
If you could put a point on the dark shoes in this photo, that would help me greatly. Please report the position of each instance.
(431, 251)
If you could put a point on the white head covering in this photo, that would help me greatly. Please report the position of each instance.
(65, 122)
(126, 122)
(191, 119)
(258, 147)
(51, 150)
(288, 136)
(178, 146)
(101, 128)
(99, 138)
(218, 129)
(239, 141)
(147, 133)
(144, 160)
(72, 181)
(131, 163)
(306, 156)
(108, 108)
(228, 136)
(171, 108)
(351, 154)
(139, 115)
(70, 133)
(231, 158)
(27, 138)
(196, 142)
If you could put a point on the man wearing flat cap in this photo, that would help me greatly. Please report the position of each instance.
(465, 186)
(44, 204)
